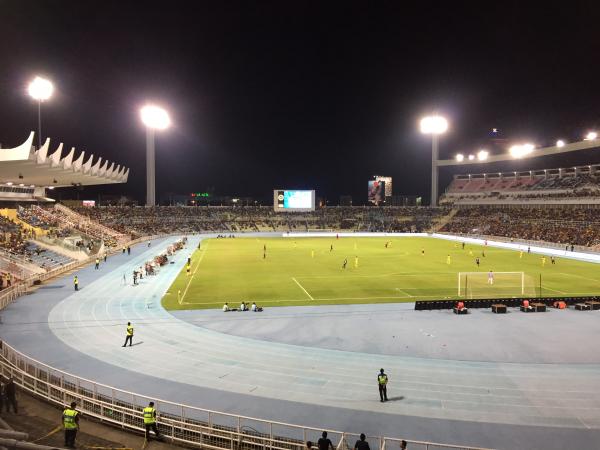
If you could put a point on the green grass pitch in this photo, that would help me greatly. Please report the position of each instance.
(304, 271)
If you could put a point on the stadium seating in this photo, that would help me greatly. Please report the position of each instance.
(564, 185)
(47, 259)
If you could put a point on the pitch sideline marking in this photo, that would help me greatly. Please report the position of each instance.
(193, 274)
(302, 287)
(325, 299)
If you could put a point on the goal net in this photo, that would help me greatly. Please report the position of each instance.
(498, 284)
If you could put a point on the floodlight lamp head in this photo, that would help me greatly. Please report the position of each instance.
(155, 117)
(482, 155)
(434, 125)
(460, 157)
(560, 143)
(591, 136)
(520, 151)
(40, 89)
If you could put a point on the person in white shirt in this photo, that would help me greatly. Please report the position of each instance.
(253, 307)
(225, 307)
(243, 307)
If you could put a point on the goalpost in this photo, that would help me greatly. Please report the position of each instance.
(500, 284)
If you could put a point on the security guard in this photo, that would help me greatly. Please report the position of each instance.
(97, 263)
(76, 283)
(382, 380)
(71, 424)
(150, 420)
(129, 336)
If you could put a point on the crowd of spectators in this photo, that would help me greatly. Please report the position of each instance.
(577, 226)
(29, 215)
(13, 236)
(140, 221)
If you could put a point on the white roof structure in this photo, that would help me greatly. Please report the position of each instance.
(29, 167)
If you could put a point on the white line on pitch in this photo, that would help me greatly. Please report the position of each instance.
(579, 276)
(554, 290)
(193, 274)
(302, 287)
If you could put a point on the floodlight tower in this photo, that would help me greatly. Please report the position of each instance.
(434, 125)
(154, 118)
(41, 90)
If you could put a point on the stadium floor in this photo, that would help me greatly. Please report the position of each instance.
(516, 385)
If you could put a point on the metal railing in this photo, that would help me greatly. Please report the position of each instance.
(179, 423)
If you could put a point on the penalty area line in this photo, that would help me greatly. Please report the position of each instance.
(302, 287)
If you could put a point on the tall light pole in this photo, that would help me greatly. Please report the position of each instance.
(434, 125)
(41, 90)
(155, 118)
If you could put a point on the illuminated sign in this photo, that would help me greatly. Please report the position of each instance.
(199, 194)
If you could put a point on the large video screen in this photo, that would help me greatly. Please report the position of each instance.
(291, 200)
(376, 193)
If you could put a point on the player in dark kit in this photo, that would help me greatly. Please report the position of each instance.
(345, 262)
(477, 261)
(331, 248)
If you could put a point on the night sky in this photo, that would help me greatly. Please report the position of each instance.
(317, 95)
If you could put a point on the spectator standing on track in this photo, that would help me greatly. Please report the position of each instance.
(105, 255)
(382, 380)
(70, 424)
(362, 444)
(128, 250)
(150, 421)
(10, 395)
(324, 442)
(129, 336)
(76, 283)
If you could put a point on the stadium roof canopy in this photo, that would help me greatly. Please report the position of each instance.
(23, 165)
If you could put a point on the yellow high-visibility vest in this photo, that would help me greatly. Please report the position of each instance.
(149, 415)
(69, 419)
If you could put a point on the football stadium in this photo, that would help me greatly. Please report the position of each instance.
(171, 276)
